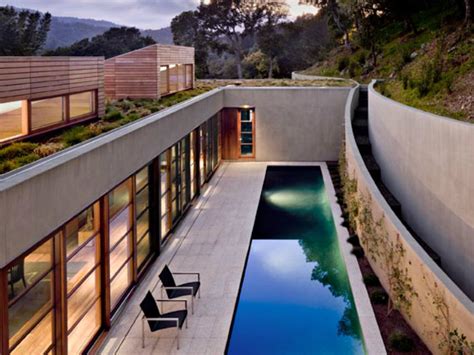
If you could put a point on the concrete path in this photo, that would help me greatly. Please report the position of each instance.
(213, 239)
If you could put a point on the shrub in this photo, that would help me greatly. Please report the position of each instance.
(361, 57)
(371, 280)
(379, 297)
(16, 150)
(399, 341)
(354, 240)
(76, 135)
(113, 115)
(48, 148)
(342, 63)
(358, 252)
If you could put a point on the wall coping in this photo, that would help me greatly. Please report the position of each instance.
(376, 194)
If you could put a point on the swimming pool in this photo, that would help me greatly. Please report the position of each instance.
(295, 296)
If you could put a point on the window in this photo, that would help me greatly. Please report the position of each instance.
(143, 217)
(193, 154)
(165, 200)
(246, 128)
(47, 112)
(189, 76)
(120, 240)
(83, 287)
(164, 79)
(181, 76)
(82, 105)
(13, 119)
(173, 78)
(30, 306)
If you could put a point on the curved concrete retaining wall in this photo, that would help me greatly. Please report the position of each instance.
(427, 162)
(440, 306)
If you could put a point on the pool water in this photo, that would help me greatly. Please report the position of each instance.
(295, 297)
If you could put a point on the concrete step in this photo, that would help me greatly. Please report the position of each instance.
(373, 167)
(391, 200)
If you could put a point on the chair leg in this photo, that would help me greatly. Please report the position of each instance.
(199, 292)
(177, 338)
(143, 333)
(192, 304)
(161, 293)
(186, 322)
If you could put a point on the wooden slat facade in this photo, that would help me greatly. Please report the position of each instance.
(137, 74)
(33, 78)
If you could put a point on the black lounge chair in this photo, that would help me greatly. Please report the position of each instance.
(157, 321)
(174, 291)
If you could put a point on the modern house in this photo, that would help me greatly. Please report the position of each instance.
(42, 94)
(84, 232)
(150, 72)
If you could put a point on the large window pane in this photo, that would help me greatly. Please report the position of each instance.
(82, 263)
(12, 123)
(120, 197)
(83, 227)
(143, 249)
(141, 178)
(81, 105)
(120, 254)
(47, 112)
(142, 200)
(189, 76)
(143, 224)
(85, 330)
(39, 339)
(120, 225)
(120, 283)
(83, 297)
(28, 270)
(164, 79)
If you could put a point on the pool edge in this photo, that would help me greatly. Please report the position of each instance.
(370, 329)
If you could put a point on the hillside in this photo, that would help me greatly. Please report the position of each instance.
(67, 30)
(432, 69)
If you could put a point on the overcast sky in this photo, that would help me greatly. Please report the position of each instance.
(144, 14)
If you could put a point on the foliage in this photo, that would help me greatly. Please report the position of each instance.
(371, 280)
(399, 341)
(227, 23)
(115, 41)
(379, 297)
(22, 32)
(187, 31)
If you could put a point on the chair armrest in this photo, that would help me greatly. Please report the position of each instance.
(189, 273)
(175, 301)
(178, 288)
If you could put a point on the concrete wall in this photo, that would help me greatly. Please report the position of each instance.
(294, 124)
(427, 162)
(36, 200)
(438, 306)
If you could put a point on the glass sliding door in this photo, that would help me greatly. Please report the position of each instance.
(179, 178)
(142, 191)
(120, 240)
(31, 302)
(82, 240)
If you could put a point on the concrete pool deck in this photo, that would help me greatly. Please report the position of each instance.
(213, 239)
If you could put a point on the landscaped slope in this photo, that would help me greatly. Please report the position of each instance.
(432, 69)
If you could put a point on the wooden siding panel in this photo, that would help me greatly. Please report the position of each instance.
(137, 74)
(32, 78)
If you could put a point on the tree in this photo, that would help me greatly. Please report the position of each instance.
(339, 15)
(22, 32)
(269, 37)
(115, 41)
(228, 22)
(187, 31)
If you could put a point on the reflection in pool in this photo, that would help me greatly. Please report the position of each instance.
(295, 296)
